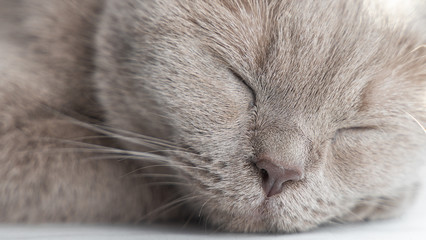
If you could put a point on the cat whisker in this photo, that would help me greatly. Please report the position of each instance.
(417, 121)
(384, 203)
(202, 206)
(117, 133)
(418, 47)
(206, 219)
(155, 175)
(121, 153)
(136, 140)
(94, 137)
(134, 137)
(172, 151)
(118, 157)
(167, 183)
(357, 217)
(336, 221)
(90, 147)
(188, 221)
(168, 166)
(219, 228)
(169, 206)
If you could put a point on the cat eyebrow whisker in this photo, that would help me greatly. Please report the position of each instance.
(417, 121)
(418, 47)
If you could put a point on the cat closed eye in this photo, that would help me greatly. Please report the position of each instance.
(357, 129)
(350, 131)
(243, 81)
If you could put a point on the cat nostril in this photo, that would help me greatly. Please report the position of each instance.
(274, 176)
(264, 174)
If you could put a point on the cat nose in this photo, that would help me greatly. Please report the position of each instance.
(274, 176)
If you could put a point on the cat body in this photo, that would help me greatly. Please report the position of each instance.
(121, 111)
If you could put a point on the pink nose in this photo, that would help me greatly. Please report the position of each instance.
(274, 176)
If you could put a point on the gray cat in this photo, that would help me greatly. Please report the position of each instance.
(254, 115)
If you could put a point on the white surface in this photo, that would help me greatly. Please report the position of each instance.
(411, 226)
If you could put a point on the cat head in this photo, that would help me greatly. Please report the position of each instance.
(286, 114)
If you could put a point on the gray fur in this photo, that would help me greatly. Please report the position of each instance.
(337, 87)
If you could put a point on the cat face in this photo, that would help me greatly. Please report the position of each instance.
(318, 89)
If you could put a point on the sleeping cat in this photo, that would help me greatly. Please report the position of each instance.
(250, 115)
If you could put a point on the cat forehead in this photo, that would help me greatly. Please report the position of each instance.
(317, 52)
(262, 35)
(299, 50)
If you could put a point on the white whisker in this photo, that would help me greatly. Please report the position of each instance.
(158, 175)
(202, 206)
(167, 183)
(417, 121)
(169, 206)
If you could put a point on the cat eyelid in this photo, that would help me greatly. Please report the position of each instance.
(354, 129)
(360, 128)
(357, 128)
(241, 79)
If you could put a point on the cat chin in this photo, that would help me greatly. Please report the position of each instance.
(261, 225)
(269, 217)
(266, 218)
